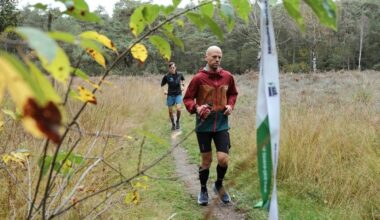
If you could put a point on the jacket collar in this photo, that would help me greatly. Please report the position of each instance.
(212, 74)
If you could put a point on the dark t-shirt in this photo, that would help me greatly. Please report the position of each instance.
(174, 83)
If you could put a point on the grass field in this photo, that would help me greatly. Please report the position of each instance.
(328, 165)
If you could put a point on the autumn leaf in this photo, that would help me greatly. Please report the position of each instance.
(40, 113)
(132, 197)
(46, 118)
(104, 40)
(60, 67)
(85, 95)
(139, 52)
(98, 57)
(19, 157)
(13, 114)
(140, 185)
(93, 84)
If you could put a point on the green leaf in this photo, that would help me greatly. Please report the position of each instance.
(80, 73)
(325, 11)
(167, 10)
(242, 8)
(136, 23)
(162, 45)
(47, 164)
(75, 158)
(176, 2)
(207, 9)
(150, 13)
(180, 23)
(43, 85)
(62, 36)
(214, 27)
(40, 6)
(45, 46)
(227, 13)
(175, 39)
(196, 19)
(293, 9)
(168, 27)
(79, 10)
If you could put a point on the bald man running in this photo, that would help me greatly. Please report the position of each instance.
(211, 95)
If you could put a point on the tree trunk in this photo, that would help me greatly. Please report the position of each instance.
(361, 43)
(314, 61)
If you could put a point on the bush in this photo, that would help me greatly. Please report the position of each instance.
(297, 68)
(376, 66)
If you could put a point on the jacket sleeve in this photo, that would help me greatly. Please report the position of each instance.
(232, 92)
(190, 95)
(163, 81)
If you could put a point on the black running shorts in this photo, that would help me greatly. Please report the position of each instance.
(221, 141)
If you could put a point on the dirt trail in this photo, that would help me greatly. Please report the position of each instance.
(188, 173)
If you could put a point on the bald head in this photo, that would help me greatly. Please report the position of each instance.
(212, 49)
(213, 57)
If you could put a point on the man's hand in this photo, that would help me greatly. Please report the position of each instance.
(228, 110)
(203, 111)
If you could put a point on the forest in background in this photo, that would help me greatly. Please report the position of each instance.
(355, 45)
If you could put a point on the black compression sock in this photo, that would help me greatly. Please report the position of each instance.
(203, 177)
(221, 172)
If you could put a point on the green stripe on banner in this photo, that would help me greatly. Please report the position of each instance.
(264, 160)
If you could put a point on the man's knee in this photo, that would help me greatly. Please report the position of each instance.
(222, 159)
(206, 161)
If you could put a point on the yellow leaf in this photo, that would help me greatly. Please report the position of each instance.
(17, 88)
(17, 157)
(139, 52)
(140, 185)
(11, 114)
(85, 95)
(128, 137)
(41, 116)
(2, 86)
(98, 57)
(93, 35)
(132, 197)
(60, 67)
(93, 84)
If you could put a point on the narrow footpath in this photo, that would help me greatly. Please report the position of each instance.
(188, 173)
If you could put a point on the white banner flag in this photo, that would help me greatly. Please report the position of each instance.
(268, 111)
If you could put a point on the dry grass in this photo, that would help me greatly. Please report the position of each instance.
(330, 138)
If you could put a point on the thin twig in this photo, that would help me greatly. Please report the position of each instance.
(140, 155)
(171, 178)
(72, 77)
(71, 194)
(114, 169)
(39, 178)
(146, 168)
(98, 205)
(16, 182)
